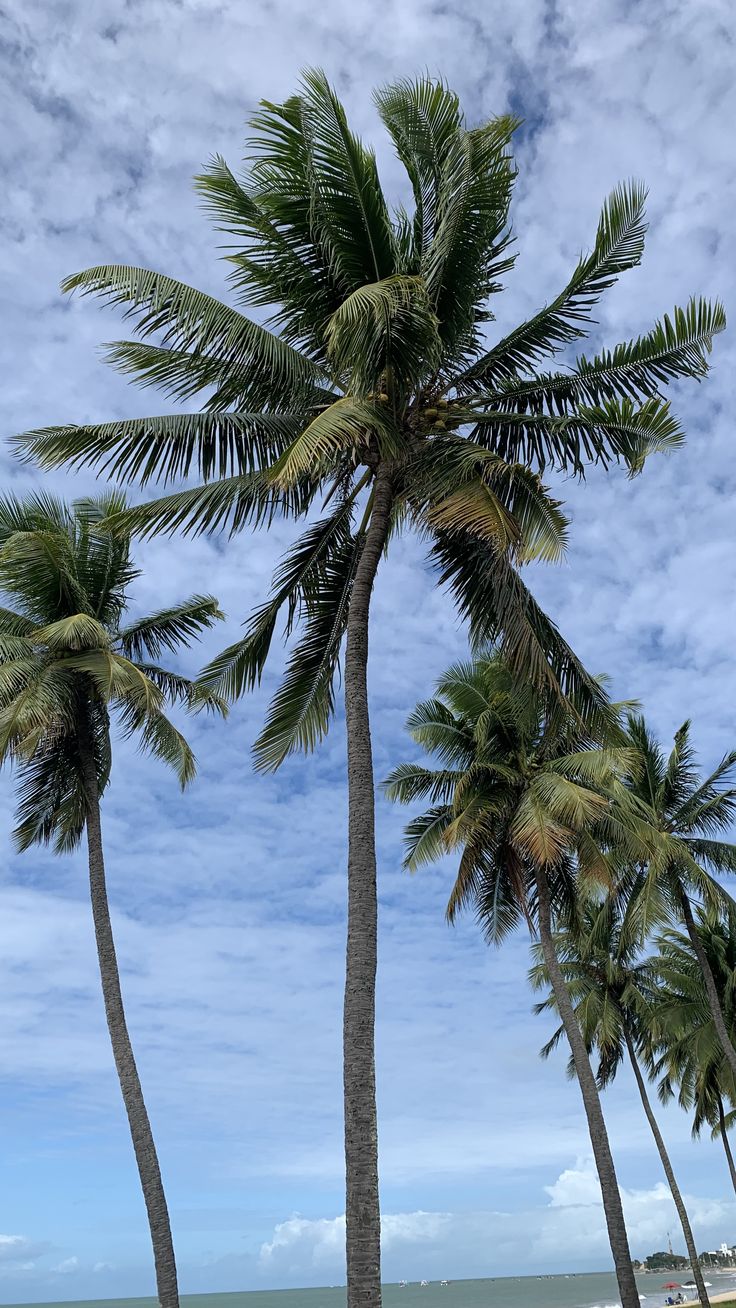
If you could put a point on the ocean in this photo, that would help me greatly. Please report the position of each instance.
(594, 1290)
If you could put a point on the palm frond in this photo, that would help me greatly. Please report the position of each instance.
(300, 712)
(188, 320)
(169, 628)
(384, 327)
(619, 245)
(408, 782)
(299, 575)
(75, 632)
(159, 737)
(491, 596)
(424, 838)
(166, 448)
(348, 425)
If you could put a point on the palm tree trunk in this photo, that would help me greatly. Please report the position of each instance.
(140, 1127)
(726, 1145)
(710, 984)
(362, 1208)
(669, 1173)
(612, 1205)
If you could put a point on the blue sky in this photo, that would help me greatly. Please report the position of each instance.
(229, 905)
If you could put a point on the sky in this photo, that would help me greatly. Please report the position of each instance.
(229, 904)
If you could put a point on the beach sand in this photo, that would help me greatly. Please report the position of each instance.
(714, 1298)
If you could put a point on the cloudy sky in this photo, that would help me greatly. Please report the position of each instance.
(229, 905)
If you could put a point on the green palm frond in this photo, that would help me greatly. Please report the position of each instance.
(424, 120)
(491, 596)
(37, 570)
(14, 626)
(424, 838)
(166, 448)
(39, 510)
(159, 737)
(433, 725)
(187, 319)
(169, 628)
(299, 575)
(43, 701)
(229, 504)
(635, 370)
(409, 782)
(476, 510)
(269, 217)
(78, 631)
(569, 802)
(350, 200)
(616, 430)
(387, 326)
(619, 245)
(347, 426)
(300, 712)
(675, 347)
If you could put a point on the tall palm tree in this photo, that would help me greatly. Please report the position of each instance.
(609, 984)
(525, 797)
(689, 813)
(373, 388)
(690, 1056)
(69, 665)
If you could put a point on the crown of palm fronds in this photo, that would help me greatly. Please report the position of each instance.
(375, 354)
(611, 985)
(522, 783)
(689, 1056)
(686, 814)
(68, 660)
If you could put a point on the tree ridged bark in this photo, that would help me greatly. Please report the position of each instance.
(130, 1085)
(726, 1145)
(610, 1193)
(710, 983)
(362, 1206)
(669, 1173)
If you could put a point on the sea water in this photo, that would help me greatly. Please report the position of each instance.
(581, 1290)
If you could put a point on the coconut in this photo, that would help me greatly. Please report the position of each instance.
(429, 414)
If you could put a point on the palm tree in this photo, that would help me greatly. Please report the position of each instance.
(610, 988)
(690, 1055)
(688, 813)
(373, 389)
(68, 663)
(525, 797)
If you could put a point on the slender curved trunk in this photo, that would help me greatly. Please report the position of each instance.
(612, 1205)
(726, 1145)
(669, 1173)
(362, 1208)
(710, 983)
(140, 1127)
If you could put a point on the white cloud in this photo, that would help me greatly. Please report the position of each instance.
(567, 1233)
(66, 1266)
(14, 1248)
(19, 1255)
(574, 1219)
